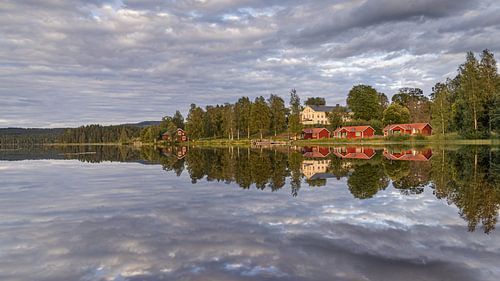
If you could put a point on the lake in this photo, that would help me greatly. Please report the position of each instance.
(298, 213)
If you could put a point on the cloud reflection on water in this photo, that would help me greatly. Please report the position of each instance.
(67, 220)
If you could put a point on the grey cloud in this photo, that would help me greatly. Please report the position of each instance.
(146, 59)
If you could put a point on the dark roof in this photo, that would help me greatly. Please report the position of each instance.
(327, 108)
(322, 108)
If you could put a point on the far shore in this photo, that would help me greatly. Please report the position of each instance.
(320, 142)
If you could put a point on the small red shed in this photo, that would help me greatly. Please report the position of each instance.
(408, 129)
(354, 132)
(315, 133)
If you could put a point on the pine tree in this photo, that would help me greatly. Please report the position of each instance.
(294, 124)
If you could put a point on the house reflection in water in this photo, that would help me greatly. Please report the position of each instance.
(409, 154)
(177, 151)
(315, 166)
(354, 152)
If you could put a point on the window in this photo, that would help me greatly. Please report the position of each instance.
(358, 134)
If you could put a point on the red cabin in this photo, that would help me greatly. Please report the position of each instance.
(354, 132)
(178, 136)
(315, 133)
(408, 129)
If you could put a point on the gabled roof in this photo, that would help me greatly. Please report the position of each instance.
(353, 129)
(314, 130)
(409, 126)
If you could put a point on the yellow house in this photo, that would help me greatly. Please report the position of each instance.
(317, 114)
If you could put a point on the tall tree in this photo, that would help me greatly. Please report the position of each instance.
(416, 102)
(315, 101)
(396, 114)
(178, 119)
(490, 86)
(229, 121)
(364, 101)
(294, 124)
(441, 108)
(194, 124)
(278, 113)
(469, 101)
(260, 116)
(242, 111)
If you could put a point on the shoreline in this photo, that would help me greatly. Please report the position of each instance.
(321, 142)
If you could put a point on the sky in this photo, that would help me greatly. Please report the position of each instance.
(71, 62)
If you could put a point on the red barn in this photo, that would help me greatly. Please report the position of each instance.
(315, 133)
(178, 136)
(354, 132)
(408, 129)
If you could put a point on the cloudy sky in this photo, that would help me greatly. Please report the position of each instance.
(73, 62)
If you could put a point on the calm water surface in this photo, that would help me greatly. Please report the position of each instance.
(343, 213)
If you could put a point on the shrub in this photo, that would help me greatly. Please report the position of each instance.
(397, 137)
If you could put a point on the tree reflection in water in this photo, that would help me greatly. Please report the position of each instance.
(466, 176)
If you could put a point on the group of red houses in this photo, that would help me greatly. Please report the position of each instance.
(356, 132)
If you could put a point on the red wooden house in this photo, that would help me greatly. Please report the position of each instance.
(315, 133)
(408, 129)
(354, 132)
(178, 136)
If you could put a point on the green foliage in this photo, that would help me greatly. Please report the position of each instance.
(365, 102)
(416, 102)
(260, 116)
(396, 114)
(178, 119)
(294, 124)
(194, 124)
(397, 137)
(468, 103)
(335, 117)
(278, 114)
(100, 134)
(242, 110)
(441, 108)
(315, 101)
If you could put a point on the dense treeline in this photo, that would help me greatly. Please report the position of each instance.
(25, 137)
(100, 134)
(243, 119)
(469, 103)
